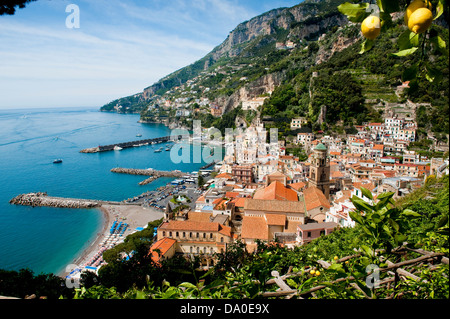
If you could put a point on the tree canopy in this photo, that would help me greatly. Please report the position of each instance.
(10, 7)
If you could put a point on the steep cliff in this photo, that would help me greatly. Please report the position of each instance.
(252, 39)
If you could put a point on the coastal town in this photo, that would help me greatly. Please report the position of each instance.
(261, 192)
(255, 190)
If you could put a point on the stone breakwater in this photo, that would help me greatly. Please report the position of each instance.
(154, 174)
(43, 200)
(147, 172)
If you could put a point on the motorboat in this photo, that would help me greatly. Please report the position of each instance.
(57, 161)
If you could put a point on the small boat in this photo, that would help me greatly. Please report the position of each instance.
(57, 161)
(117, 148)
(159, 150)
(138, 135)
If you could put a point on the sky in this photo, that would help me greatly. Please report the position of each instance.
(119, 47)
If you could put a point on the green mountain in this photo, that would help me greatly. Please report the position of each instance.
(247, 52)
(305, 61)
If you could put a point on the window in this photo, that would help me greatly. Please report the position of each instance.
(170, 234)
(221, 239)
(184, 234)
(164, 234)
(309, 234)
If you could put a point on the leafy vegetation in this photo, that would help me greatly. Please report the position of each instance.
(417, 222)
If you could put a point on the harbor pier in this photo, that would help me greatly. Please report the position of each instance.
(139, 143)
(43, 200)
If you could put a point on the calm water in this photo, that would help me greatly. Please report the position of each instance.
(47, 239)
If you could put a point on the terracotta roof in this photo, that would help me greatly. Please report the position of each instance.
(275, 219)
(239, 202)
(199, 217)
(254, 228)
(274, 206)
(315, 198)
(224, 175)
(276, 191)
(369, 186)
(221, 204)
(379, 147)
(201, 199)
(231, 194)
(163, 245)
(297, 186)
(336, 174)
(225, 230)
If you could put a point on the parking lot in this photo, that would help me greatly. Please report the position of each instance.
(159, 198)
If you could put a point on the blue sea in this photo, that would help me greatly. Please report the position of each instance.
(46, 240)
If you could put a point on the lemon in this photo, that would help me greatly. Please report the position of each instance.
(420, 20)
(416, 4)
(336, 257)
(371, 27)
(317, 273)
(312, 272)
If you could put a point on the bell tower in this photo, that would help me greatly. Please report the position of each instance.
(319, 175)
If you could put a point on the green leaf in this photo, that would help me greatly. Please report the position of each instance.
(410, 213)
(355, 12)
(336, 267)
(405, 52)
(394, 224)
(414, 39)
(366, 46)
(361, 204)
(442, 221)
(366, 193)
(367, 250)
(439, 9)
(188, 285)
(404, 40)
(377, 218)
(141, 295)
(385, 195)
(400, 238)
(433, 75)
(388, 6)
(356, 216)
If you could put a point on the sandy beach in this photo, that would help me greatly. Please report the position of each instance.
(134, 216)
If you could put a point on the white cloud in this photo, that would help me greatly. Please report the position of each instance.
(121, 47)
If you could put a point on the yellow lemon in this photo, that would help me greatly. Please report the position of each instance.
(416, 4)
(336, 257)
(371, 27)
(317, 273)
(421, 20)
(312, 272)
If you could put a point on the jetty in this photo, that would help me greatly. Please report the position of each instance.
(139, 143)
(43, 200)
(154, 174)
